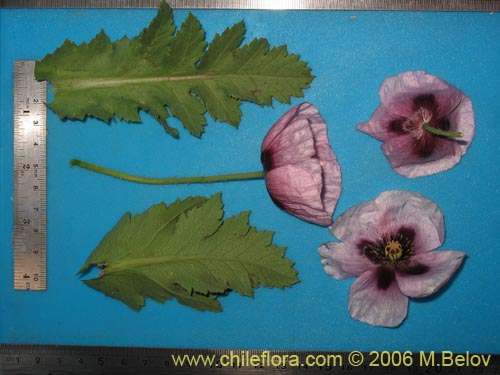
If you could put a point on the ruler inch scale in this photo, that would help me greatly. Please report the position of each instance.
(30, 179)
(401, 5)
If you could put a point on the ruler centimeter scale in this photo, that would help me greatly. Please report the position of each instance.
(30, 179)
(107, 360)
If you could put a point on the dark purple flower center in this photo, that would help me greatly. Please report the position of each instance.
(266, 159)
(425, 111)
(392, 252)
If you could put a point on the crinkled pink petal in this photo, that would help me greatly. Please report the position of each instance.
(297, 189)
(419, 169)
(342, 261)
(442, 265)
(283, 122)
(377, 125)
(399, 151)
(358, 221)
(397, 92)
(332, 181)
(411, 81)
(293, 144)
(464, 119)
(446, 101)
(298, 183)
(300, 134)
(376, 306)
(390, 211)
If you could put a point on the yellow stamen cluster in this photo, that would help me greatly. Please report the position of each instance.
(393, 250)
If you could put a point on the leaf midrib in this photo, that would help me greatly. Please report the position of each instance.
(85, 84)
(123, 265)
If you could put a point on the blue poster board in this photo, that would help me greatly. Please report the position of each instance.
(350, 53)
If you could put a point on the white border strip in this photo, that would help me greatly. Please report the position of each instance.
(419, 5)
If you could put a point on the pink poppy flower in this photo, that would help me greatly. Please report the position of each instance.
(425, 123)
(387, 243)
(301, 171)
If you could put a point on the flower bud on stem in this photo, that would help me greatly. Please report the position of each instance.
(168, 180)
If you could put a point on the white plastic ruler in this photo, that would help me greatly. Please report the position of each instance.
(30, 179)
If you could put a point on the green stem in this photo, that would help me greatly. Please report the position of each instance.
(168, 180)
(437, 131)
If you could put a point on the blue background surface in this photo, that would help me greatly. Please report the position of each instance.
(350, 57)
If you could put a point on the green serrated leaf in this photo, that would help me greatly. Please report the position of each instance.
(188, 252)
(188, 45)
(220, 51)
(164, 71)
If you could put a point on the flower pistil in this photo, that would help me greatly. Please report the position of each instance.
(393, 250)
(390, 248)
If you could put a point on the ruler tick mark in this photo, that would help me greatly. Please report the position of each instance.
(30, 190)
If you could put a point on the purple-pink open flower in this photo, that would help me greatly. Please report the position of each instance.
(425, 123)
(301, 171)
(387, 243)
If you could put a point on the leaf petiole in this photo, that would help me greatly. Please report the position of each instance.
(444, 133)
(167, 180)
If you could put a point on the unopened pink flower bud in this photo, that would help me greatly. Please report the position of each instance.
(301, 171)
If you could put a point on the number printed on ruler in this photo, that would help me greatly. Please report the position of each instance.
(30, 179)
